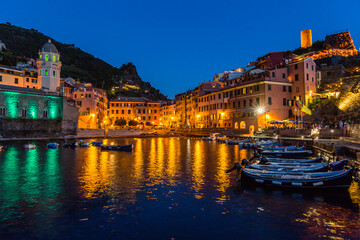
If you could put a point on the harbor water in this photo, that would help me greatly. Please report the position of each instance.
(166, 188)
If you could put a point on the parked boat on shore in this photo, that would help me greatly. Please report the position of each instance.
(127, 147)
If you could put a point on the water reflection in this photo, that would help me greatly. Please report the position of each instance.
(134, 188)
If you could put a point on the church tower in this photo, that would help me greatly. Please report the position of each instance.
(49, 67)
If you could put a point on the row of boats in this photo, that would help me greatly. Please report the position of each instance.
(292, 167)
(75, 144)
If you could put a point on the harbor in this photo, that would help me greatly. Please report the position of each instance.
(173, 187)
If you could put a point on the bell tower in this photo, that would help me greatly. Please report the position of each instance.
(49, 67)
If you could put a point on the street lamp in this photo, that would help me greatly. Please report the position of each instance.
(260, 110)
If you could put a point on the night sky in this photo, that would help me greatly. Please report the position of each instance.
(176, 45)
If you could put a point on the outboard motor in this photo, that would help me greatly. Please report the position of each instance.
(263, 160)
(237, 166)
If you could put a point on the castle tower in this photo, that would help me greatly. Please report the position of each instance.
(49, 67)
(306, 38)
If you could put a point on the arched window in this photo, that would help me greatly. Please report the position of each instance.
(46, 57)
(236, 125)
(54, 74)
(46, 72)
(54, 58)
(242, 125)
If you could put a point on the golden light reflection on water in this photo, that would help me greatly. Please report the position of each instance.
(221, 176)
(138, 161)
(198, 169)
(171, 166)
(90, 177)
(327, 221)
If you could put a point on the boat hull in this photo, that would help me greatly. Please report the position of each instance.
(127, 148)
(337, 179)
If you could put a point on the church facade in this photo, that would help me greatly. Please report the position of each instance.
(40, 110)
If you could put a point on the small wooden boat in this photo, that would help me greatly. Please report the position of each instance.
(71, 144)
(52, 145)
(2, 148)
(97, 144)
(290, 160)
(117, 147)
(287, 154)
(315, 167)
(336, 179)
(29, 146)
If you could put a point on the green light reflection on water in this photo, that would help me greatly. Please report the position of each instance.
(10, 180)
(31, 186)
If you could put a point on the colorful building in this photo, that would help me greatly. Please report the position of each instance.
(142, 110)
(92, 103)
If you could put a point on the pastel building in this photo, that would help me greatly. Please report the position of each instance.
(92, 104)
(142, 110)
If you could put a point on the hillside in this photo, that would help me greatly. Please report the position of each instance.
(25, 43)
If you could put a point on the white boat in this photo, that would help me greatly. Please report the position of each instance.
(213, 137)
(29, 146)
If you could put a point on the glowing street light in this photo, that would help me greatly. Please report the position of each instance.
(260, 110)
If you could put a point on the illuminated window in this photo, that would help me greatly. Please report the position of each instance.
(46, 57)
(54, 74)
(46, 72)
(54, 58)
(242, 125)
(40, 56)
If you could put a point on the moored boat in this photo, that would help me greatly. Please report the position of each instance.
(2, 148)
(287, 154)
(71, 144)
(315, 167)
(84, 144)
(335, 179)
(290, 160)
(52, 145)
(29, 146)
(279, 148)
(127, 147)
(97, 144)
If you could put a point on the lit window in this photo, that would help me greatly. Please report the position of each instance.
(46, 72)
(54, 58)
(54, 74)
(46, 57)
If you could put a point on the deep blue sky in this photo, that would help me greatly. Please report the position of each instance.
(176, 45)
